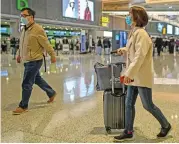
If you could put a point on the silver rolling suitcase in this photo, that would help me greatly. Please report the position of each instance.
(114, 105)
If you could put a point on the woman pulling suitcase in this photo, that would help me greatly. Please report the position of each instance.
(139, 52)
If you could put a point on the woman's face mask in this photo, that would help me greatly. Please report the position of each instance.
(129, 20)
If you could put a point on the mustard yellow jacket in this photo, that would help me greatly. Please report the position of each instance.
(33, 43)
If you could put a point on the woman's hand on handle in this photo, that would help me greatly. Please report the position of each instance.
(126, 80)
(121, 51)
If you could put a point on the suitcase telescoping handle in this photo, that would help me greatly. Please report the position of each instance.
(114, 52)
(113, 81)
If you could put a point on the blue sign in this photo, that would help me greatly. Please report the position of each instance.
(83, 43)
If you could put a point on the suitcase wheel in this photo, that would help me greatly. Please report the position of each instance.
(108, 130)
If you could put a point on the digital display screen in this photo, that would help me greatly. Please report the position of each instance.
(123, 39)
(107, 34)
(61, 33)
(4, 73)
(78, 9)
(160, 27)
(117, 37)
(176, 31)
(3, 30)
(169, 29)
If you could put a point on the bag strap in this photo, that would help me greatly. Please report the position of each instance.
(45, 65)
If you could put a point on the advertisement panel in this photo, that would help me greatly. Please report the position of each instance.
(169, 29)
(176, 31)
(70, 8)
(137, 1)
(78, 9)
(161, 1)
(86, 10)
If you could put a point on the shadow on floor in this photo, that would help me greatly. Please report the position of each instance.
(138, 137)
(33, 105)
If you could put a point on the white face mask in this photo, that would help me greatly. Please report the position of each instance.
(24, 20)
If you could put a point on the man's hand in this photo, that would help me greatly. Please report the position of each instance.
(18, 59)
(121, 51)
(53, 60)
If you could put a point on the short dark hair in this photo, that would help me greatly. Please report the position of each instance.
(30, 11)
(140, 16)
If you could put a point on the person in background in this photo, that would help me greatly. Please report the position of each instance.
(93, 45)
(171, 45)
(53, 43)
(31, 52)
(159, 43)
(177, 45)
(13, 46)
(87, 45)
(77, 44)
(139, 73)
(17, 44)
(65, 41)
(165, 45)
(153, 41)
(106, 43)
(4, 47)
(99, 44)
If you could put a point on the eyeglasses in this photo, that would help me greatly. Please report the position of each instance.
(24, 15)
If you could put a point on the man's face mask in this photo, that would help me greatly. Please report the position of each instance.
(24, 20)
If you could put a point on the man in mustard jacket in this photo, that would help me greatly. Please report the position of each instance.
(33, 42)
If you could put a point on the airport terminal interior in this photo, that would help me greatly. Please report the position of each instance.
(81, 38)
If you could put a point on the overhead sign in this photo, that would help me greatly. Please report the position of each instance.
(137, 1)
(105, 21)
(22, 4)
(161, 1)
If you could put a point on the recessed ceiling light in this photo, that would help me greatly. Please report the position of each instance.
(170, 7)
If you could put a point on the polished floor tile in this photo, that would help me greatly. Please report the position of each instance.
(77, 113)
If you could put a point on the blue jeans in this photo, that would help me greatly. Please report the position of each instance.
(146, 97)
(31, 76)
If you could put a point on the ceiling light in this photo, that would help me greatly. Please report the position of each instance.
(170, 7)
(5, 22)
